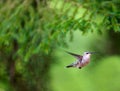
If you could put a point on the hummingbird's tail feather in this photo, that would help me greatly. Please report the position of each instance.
(69, 66)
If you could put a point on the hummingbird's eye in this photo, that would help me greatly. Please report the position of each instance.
(87, 53)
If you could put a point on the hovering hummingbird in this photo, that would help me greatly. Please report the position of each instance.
(81, 60)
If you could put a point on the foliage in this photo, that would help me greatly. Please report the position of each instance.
(30, 30)
(86, 15)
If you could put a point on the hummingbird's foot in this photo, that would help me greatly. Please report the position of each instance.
(80, 67)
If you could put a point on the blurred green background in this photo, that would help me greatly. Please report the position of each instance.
(34, 35)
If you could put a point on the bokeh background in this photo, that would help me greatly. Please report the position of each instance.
(34, 35)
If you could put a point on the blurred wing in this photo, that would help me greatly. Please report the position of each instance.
(75, 55)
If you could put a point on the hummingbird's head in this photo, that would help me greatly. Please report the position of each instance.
(86, 55)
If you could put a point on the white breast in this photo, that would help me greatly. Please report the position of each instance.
(85, 60)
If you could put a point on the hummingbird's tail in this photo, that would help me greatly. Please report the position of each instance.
(69, 66)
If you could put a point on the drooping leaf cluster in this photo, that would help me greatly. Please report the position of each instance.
(95, 15)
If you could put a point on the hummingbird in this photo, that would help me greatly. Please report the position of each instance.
(81, 60)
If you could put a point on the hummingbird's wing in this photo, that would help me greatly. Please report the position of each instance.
(79, 57)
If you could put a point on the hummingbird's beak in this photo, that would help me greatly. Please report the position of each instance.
(92, 52)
